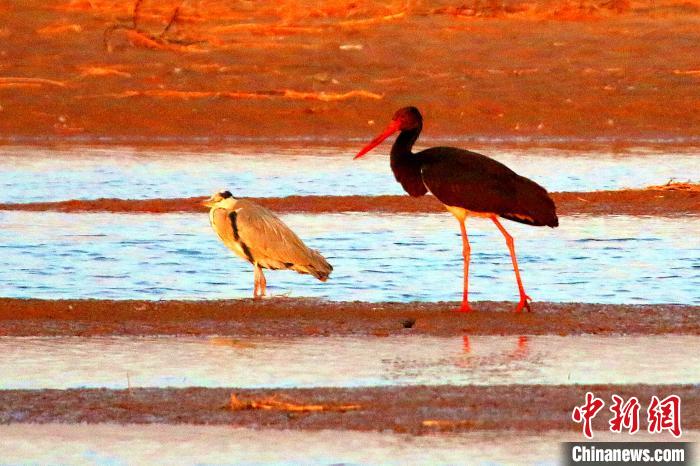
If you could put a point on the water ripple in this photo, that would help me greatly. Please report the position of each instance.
(89, 173)
(177, 256)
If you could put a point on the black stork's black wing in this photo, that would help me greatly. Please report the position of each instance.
(478, 183)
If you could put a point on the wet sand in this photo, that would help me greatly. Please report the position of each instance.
(667, 203)
(415, 410)
(286, 317)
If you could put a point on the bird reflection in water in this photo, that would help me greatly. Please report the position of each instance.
(520, 352)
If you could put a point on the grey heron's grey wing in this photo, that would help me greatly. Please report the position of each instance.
(267, 236)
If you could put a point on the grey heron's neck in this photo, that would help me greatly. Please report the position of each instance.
(229, 203)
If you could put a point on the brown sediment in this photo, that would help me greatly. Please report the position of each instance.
(415, 410)
(10, 80)
(277, 403)
(286, 317)
(658, 201)
(283, 94)
(675, 186)
(59, 29)
(511, 69)
(103, 71)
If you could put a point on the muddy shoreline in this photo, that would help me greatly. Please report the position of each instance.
(667, 203)
(223, 70)
(285, 317)
(400, 409)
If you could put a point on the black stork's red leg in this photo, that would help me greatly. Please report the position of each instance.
(468, 184)
(466, 253)
(524, 298)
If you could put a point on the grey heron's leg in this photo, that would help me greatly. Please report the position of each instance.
(524, 298)
(256, 274)
(263, 284)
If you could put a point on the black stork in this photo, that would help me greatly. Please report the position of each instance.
(469, 185)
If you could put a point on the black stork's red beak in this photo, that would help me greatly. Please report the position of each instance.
(393, 127)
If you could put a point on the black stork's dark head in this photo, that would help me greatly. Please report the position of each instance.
(405, 119)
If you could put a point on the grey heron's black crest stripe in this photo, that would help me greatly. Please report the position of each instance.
(234, 225)
(226, 194)
(232, 216)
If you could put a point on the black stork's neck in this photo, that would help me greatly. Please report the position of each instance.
(404, 143)
(405, 164)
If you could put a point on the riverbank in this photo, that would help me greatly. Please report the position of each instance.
(287, 317)
(655, 202)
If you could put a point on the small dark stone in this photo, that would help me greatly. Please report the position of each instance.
(408, 323)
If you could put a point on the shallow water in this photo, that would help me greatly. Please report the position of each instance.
(36, 174)
(109, 444)
(117, 362)
(376, 258)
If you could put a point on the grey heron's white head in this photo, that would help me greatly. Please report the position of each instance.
(221, 200)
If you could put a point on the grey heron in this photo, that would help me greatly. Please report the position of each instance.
(257, 235)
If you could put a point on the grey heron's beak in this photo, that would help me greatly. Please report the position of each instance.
(208, 202)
